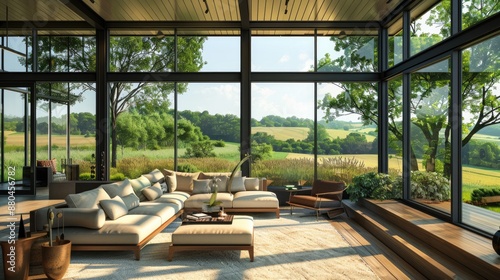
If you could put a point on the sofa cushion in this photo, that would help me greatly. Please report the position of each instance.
(176, 198)
(155, 176)
(92, 218)
(237, 185)
(201, 186)
(139, 184)
(52, 163)
(131, 201)
(121, 188)
(185, 181)
(198, 200)
(210, 175)
(152, 192)
(114, 207)
(87, 199)
(129, 229)
(252, 184)
(163, 210)
(255, 199)
(170, 179)
(221, 183)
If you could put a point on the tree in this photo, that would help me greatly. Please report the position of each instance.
(126, 54)
(430, 91)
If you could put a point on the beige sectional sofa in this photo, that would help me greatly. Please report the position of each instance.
(126, 215)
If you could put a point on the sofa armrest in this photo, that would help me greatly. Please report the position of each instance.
(92, 218)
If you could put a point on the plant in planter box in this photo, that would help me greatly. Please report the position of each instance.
(429, 185)
(372, 185)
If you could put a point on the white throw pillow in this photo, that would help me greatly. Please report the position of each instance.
(86, 199)
(121, 188)
(152, 192)
(131, 201)
(114, 208)
(201, 186)
(139, 184)
(252, 184)
(238, 185)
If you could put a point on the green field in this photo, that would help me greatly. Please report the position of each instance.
(300, 133)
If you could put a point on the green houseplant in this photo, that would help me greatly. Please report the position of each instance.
(372, 185)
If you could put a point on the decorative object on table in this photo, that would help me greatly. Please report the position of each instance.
(301, 183)
(235, 169)
(21, 233)
(16, 253)
(56, 254)
(496, 242)
(213, 205)
(290, 187)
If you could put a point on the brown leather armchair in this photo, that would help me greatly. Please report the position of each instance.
(325, 196)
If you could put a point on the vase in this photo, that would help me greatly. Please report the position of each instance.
(16, 258)
(210, 209)
(56, 258)
(496, 242)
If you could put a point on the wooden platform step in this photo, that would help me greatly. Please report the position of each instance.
(436, 249)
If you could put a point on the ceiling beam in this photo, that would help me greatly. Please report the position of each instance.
(244, 14)
(86, 13)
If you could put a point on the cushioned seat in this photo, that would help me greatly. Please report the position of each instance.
(163, 210)
(129, 229)
(255, 199)
(198, 200)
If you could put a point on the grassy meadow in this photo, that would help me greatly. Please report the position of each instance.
(282, 166)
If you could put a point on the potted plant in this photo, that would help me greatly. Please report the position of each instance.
(213, 205)
(56, 254)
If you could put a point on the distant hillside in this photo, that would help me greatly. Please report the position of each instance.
(300, 133)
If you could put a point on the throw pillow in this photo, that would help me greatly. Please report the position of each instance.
(171, 179)
(201, 186)
(131, 201)
(155, 176)
(121, 188)
(237, 185)
(152, 192)
(87, 199)
(47, 163)
(252, 184)
(185, 181)
(139, 184)
(114, 208)
(221, 185)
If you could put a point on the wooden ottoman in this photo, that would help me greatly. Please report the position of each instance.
(235, 236)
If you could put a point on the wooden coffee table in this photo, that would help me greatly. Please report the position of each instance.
(238, 235)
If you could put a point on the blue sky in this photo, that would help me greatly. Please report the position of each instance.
(222, 54)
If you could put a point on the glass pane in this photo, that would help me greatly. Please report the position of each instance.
(431, 27)
(221, 54)
(473, 11)
(282, 132)
(346, 131)
(66, 54)
(395, 48)
(16, 140)
(141, 128)
(288, 54)
(481, 135)
(208, 127)
(430, 136)
(347, 54)
(14, 55)
(395, 108)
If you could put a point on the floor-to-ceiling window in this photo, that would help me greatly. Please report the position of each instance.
(481, 134)
(430, 130)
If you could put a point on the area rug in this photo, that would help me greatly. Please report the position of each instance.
(291, 247)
